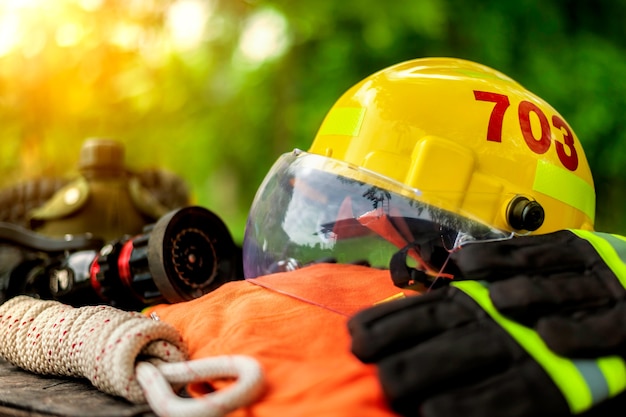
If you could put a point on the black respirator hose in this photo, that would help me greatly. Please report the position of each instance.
(27, 239)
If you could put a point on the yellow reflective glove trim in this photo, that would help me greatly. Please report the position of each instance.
(612, 250)
(614, 370)
(610, 247)
(582, 382)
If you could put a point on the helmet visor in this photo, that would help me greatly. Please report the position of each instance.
(312, 209)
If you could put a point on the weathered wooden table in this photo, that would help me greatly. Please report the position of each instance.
(25, 394)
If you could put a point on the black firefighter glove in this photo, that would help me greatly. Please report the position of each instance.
(450, 352)
(569, 285)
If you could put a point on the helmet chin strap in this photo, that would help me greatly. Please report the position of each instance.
(396, 231)
(422, 278)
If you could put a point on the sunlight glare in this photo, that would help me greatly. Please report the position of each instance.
(9, 32)
(186, 21)
(33, 43)
(20, 4)
(264, 37)
(90, 5)
(68, 34)
(126, 35)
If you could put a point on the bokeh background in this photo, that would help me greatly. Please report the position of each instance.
(215, 90)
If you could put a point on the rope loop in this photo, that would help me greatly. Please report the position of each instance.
(121, 353)
(156, 380)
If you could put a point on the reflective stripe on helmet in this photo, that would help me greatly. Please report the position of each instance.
(565, 186)
(344, 121)
(582, 382)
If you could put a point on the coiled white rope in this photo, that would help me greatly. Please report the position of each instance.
(111, 347)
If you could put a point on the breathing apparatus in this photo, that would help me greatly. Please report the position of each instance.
(185, 254)
(111, 235)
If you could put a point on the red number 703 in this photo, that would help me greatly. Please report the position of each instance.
(539, 145)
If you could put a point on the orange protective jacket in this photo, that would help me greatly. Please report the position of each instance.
(294, 324)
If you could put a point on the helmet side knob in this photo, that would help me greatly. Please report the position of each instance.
(525, 214)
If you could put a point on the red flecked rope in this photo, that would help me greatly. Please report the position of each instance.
(122, 353)
(100, 343)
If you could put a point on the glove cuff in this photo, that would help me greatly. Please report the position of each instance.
(583, 383)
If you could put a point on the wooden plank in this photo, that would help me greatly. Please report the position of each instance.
(24, 394)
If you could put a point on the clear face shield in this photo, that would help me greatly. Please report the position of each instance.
(312, 209)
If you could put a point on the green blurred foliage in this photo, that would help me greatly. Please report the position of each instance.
(219, 115)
